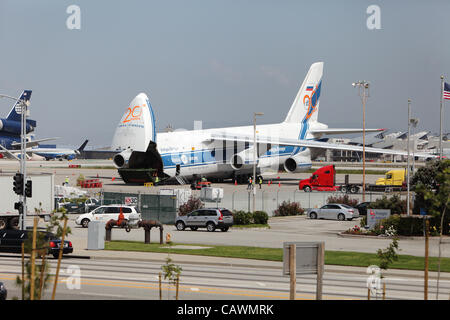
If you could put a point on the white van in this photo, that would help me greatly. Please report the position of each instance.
(105, 213)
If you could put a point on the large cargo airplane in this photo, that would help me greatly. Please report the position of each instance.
(225, 153)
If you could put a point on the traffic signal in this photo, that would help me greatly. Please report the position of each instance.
(18, 206)
(28, 188)
(18, 183)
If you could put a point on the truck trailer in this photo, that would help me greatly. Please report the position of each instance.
(324, 179)
(41, 203)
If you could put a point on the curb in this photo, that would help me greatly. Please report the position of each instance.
(344, 235)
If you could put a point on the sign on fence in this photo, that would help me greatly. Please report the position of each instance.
(131, 201)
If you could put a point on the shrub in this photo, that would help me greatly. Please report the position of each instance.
(345, 199)
(192, 204)
(260, 217)
(242, 217)
(406, 225)
(287, 208)
(394, 203)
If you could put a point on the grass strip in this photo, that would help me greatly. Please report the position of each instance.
(342, 258)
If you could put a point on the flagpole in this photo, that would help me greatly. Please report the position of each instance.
(440, 121)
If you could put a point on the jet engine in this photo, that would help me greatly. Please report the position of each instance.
(242, 160)
(299, 162)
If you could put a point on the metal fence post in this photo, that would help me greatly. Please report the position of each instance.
(262, 201)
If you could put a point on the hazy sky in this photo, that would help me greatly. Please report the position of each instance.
(219, 61)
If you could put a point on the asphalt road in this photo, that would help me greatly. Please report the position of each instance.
(128, 279)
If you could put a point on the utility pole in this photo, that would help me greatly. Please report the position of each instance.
(362, 86)
(407, 169)
(254, 157)
(21, 108)
(440, 118)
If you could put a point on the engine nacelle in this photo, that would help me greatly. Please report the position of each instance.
(299, 162)
(122, 159)
(14, 127)
(242, 160)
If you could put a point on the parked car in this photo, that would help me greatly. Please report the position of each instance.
(362, 208)
(82, 207)
(106, 213)
(11, 241)
(333, 211)
(209, 218)
(3, 291)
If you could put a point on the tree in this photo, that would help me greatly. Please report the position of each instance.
(41, 271)
(192, 204)
(432, 187)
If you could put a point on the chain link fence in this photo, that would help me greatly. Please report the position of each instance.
(151, 206)
(269, 201)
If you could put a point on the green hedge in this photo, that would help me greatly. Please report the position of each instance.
(246, 218)
(410, 225)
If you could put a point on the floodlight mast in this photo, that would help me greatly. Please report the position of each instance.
(362, 86)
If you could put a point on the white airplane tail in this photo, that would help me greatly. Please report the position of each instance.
(305, 107)
(137, 127)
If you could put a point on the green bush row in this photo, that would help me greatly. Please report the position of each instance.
(410, 225)
(246, 218)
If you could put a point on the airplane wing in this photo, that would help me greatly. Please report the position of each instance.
(344, 131)
(32, 143)
(6, 151)
(315, 144)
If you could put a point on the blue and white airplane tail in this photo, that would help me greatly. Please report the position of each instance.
(305, 107)
(13, 115)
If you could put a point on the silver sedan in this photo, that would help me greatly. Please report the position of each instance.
(334, 211)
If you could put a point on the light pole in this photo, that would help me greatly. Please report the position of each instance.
(440, 119)
(363, 91)
(254, 157)
(21, 107)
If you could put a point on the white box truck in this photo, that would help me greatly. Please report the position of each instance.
(42, 198)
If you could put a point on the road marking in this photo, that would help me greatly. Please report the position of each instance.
(195, 289)
(261, 284)
(207, 290)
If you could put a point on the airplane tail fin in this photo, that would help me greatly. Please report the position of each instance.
(13, 115)
(137, 127)
(305, 107)
(81, 148)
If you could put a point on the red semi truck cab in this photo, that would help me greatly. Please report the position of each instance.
(323, 179)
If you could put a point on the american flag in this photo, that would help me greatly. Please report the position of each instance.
(446, 91)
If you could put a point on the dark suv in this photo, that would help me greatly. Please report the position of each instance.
(11, 241)
(209, 218)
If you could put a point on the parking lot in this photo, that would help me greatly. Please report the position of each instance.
(282, 229)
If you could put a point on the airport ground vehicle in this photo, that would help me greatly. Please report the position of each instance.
(337, 211)
(3, 292)
(324, 179)
(105, 213)
(11, 241)
(209, 218)
(82, 207)
(198, 185)
(42, 198)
